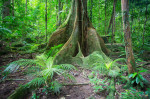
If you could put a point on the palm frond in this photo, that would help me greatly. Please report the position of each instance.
(69, 76)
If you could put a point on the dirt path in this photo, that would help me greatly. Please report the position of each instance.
(84, 91)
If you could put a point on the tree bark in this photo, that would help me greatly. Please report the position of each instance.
(12, 8)
(112, 16)
(105, 16)
(127, 36)
(113, 22)
(77, 34)
(26, 6)
(60, 6)
(6, 8)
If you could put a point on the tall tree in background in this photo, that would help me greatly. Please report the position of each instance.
(112, 17)
(127, 36)
(60, 6)
(113, 21)
(46, 20)
(105, 16)
(12, 8)
(26, 7)
(6, 8)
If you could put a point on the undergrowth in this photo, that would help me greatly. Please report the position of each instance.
(43, 70)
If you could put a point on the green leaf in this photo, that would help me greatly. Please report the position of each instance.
(141, 77)
(141, 71)
(132, 81)
(141, 83)
(134, 74)
(130, 75)
(137, 79)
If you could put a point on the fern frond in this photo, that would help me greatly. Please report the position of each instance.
(119, 59)
(56, 86)
(41, 60)
(24, 89)
(47, 73)
(14, 66)
(113, 73)
(66, 67)
(49, 62)
(68, 76)
(5, 30)
(100, 67)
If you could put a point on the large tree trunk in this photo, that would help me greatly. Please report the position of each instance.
(127, 36)
(76, 33)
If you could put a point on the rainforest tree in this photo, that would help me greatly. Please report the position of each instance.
(127, 36)
(77, 34)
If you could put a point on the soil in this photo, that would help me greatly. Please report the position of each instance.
(83, 91)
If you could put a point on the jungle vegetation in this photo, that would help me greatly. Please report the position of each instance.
(110, 38)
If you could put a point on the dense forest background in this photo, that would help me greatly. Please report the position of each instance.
(30, 44)
(26, 20)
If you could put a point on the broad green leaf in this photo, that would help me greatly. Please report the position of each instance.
(141, 71)
(137, 79)
(134, 75)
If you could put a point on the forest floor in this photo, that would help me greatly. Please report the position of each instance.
(82, 88)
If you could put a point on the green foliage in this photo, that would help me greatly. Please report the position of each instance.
(108, 68)
(43, 77)
(137, 79)
(34, 96)
(53, 50)
(99, 84)
(24, 89)
(134, 94)
(54, 87)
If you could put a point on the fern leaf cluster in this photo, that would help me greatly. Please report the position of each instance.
(45, 77)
